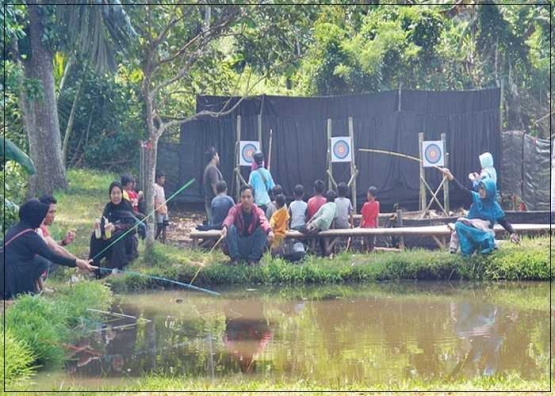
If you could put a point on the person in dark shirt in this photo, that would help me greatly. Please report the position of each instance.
(117, 219)
(27, 254)
(246, 229)
(211, 177)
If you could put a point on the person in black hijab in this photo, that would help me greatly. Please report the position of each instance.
(27, 255)
(117, 219)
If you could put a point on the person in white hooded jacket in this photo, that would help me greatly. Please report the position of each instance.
(488, 171)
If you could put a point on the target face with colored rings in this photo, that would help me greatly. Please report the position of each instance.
(341, 149)
(248, 152)
(433, 153)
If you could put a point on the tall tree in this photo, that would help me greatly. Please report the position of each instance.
(176, 42)
(83, 28)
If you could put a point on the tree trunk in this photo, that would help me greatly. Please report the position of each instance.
(71, 120)
(150, 172)
(40, 115)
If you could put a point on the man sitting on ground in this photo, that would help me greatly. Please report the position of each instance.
(246, 229)
(56, 247)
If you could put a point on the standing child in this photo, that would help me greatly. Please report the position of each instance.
(298, 209)
(344, 208)
(162, 219)
(370, 212)
(316, 202)
(262, 182)
(279, 222)
(487, 172)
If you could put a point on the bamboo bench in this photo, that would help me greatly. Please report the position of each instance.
(440, 233)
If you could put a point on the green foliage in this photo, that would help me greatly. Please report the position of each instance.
(43, 325)
(14, 180)
(17, 364)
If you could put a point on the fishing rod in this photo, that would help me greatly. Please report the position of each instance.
(145, 218)
(163, 279)
(200, 268)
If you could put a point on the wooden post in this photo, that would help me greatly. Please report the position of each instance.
(422, 177)
(330, 169)
(237, 159)
(260, 131)
(353, 166)
(446, 183)
(400, 224)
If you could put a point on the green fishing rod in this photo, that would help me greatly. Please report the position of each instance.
(144, 220)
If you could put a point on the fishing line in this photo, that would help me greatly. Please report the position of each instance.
(164, 280)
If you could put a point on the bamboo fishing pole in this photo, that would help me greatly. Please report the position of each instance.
(200, 267)
(397, 155)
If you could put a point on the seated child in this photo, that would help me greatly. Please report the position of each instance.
(279, 222)
(344, 208)
(370, 212)
(220, 206)
(272, 205)
(316, 201)
(298, 209)
(323, 218)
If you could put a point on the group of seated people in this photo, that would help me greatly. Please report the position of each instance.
(31, 253)
(249, 230)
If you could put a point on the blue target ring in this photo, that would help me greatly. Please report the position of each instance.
(433, 153)
(341, 149)
(248, 152)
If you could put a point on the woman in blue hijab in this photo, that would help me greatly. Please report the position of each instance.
(475, 231)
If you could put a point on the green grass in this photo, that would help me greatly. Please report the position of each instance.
(525, 262)
(242, 383)
(38, 327)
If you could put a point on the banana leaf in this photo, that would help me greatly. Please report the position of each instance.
(14, 153)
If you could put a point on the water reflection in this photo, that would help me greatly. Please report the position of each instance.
(483, 327)
(247, 332)
(329, 336)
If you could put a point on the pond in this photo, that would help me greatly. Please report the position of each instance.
(365, 335)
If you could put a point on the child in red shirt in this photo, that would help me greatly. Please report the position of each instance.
(370, 212)
(318, 200)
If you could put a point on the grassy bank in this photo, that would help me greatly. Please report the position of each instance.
(37, 327)
(241, 383)
(527, 261)
(87, 195)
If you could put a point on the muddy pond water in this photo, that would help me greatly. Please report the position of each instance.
(366, 335)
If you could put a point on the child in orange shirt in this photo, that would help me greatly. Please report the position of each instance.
(279, 222)
(370, 212)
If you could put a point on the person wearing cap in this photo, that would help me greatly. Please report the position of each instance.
(262, 182)
(26, 254)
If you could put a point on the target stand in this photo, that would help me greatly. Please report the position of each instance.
(341, 149)
(433, 154)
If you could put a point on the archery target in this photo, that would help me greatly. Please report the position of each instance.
(341, 150)
(246, 151)
(432, 153)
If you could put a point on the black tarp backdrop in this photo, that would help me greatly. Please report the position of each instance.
(387, 120)
(526, 169)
